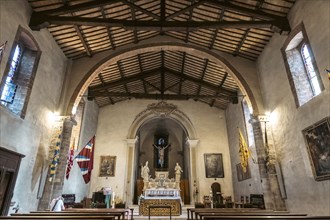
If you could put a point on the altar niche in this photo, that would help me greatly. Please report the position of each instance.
(161, 149)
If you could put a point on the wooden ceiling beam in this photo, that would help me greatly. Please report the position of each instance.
(220, 86)
(202, 83)
(125, 80)
(141, 70)
(78, 7)
(138, 8)
(184, 10)
(247, 11)
(94, 94)
(108, 30)
(202, 76)
(182, 71)
(39, 22)
(121, 74)
(102, 81)
(81, 37)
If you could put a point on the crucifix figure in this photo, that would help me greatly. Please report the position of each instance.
(161, 151)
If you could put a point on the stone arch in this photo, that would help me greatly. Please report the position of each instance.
(157, 46)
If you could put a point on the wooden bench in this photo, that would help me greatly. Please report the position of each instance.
(194, 211)
(245, 214)
(120, 213)
(265, 217)
(52, 217)
(115, 216)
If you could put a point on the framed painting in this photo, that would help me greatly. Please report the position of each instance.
(317, 138)
(107, 166)
(243, 175)
(213, 165)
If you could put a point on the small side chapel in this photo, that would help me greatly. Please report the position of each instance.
(164, 103)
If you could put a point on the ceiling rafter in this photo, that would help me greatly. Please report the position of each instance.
(81, 37)
(240, 44)
(162, 72)
(141, 70)
(182, 71)
(189, 19)
(102, 82)
(201, 82)
(121, 74)
(79, 32)
(108, 30)
(136, 40)
(184, 10)
(39, 22)
(78, 7)
(202, 76)
(138, 8)
(217, 30)
(220, 87)
(159, 96)
(125, 80)
(150, 84)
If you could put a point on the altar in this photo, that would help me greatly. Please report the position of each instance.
(161, 196)
(173, 203)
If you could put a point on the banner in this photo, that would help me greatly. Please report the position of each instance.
(70, 160)
(85, 160)
(244, 151)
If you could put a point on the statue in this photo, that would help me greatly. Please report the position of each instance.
(178, 172)
(161, 151)
(145, 172)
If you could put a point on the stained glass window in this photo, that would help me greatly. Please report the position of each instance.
(9, 89)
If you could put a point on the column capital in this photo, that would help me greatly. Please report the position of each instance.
(131, 142)
(258, 118)
(192, 143)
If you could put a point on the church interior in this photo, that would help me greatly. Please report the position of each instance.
(169, 104)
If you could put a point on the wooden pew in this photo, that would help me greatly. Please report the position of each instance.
(265, 217)
(52, 217)
(194, 211)
(248, 214)
(122, 212)
(116, 216)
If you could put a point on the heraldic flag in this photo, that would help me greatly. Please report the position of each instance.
(70, 160)
(85, 160)
(244, 151)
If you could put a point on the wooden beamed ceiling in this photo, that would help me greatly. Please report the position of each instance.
(238, 27)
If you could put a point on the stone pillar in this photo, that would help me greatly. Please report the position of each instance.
(192, 144)
(129, 194)
(54, 186)
(266, 158)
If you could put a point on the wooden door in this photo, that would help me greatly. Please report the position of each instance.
(9, 163)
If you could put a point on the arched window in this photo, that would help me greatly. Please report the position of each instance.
(311, 74)
(301, 67)
(18, 78)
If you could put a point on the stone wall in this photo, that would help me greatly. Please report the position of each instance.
(30, 136)
(304, 194)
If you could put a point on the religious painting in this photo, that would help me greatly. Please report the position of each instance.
(107, 166)
(213, 165)
(317, 137)
(241, 175)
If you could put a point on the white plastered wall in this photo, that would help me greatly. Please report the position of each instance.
(304, 194)
(115, 121)
(30, 136)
